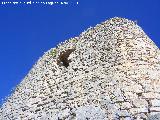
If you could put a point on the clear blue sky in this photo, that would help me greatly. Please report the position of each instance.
(27, 31)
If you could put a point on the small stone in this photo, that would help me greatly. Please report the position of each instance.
(125, 118)
(137, 88)
(154, 116)
(139, 103)
(133, 111)
(143, 110)
(130, 95)
(155, 109)
(155, 103)
(126, 105)
(157, 96)
(141, 116)
(157, 88)
(129, 36)
(123, 113)
(149, 95)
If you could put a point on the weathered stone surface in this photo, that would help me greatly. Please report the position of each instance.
(149, 95)
(109, 72)
(123, 113)
(155, 103)
(156, 116)
(155, 109)
(139, 103)
(126, 105)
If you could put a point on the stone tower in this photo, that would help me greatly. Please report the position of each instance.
(108, 72)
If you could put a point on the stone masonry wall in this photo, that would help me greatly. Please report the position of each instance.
(109, 72)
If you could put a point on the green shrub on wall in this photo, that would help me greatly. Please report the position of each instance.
(73, 40)
(53, 52)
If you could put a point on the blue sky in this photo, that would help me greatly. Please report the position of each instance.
(27, 31)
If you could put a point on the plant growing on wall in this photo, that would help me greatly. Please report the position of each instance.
(53, 52)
